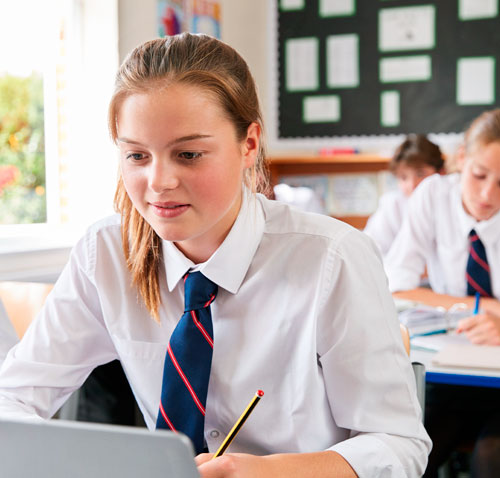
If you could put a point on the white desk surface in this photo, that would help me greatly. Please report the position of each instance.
(455, 375)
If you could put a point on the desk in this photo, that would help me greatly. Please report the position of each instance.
(452, 375)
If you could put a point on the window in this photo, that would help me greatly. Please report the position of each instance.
(22, 131)
(57, 165)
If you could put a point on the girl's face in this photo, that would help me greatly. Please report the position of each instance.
(480, 182)
(182, 165)
(410, 177)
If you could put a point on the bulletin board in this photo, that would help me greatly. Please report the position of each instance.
(384, 67)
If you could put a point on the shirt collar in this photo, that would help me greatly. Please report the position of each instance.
(229, 264)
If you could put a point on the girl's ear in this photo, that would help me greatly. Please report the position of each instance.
(251, 145)
(460, 157)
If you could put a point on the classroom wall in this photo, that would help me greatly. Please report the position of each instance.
(243, 26)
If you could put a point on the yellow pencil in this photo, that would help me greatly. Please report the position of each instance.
(237, 426)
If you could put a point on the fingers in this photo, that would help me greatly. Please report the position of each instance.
(221, 467)
(466, 324)
(203, 458)
(481, 329)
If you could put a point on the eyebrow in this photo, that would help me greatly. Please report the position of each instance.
(182, 139)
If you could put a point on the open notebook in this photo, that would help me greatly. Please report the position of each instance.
(64, 449)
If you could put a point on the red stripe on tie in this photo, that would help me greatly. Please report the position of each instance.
(167, 421)
(212, 297)
(476, 286)
(185, 380)
(202, 329)
(483, 264)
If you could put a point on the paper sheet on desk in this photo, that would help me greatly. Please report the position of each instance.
(469, 356)
(439, 341)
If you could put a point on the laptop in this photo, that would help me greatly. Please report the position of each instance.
(67, 449)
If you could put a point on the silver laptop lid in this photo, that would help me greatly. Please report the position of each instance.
(66, 449)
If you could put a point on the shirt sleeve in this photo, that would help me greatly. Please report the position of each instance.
(368, 376)
(381, 225)
(406, 261)
(65, 342)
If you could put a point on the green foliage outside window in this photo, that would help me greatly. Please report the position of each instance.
(22, 156)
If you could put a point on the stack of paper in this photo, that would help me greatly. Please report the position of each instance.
(424, 319)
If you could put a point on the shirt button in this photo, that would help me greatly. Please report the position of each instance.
(214, 433)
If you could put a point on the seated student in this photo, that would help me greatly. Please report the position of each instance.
(453, 228)
(270, 298)
(415, 159)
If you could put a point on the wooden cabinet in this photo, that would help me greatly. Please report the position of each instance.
(309, 164)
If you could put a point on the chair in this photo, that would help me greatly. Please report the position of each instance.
(418, 369)
(22, 302)
(8, 335)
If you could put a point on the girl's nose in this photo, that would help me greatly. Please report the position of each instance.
(162, 176)
(488, 189)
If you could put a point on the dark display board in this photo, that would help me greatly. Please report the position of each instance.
(377, 67)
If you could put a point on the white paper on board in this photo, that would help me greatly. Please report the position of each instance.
(476, 81)
(342, 52)
(292, 4)
(331, 8)
(389, 106)
(302, 64)
(473, 9)
(322, 109)
(407, 28)
(410, 68)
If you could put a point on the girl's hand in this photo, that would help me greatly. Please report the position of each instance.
(232, 465)
(482, 329)
(303, 465)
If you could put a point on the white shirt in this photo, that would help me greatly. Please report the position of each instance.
(8, 335)
(303, 312)
(435, 234)
(384, 224)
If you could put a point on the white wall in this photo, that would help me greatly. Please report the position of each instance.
(243, 26)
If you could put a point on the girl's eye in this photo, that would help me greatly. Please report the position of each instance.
(190, 155)
(478, 175)
(135, 156)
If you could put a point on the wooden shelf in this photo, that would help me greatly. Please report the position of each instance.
(311, 164)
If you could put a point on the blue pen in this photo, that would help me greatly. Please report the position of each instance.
(432, 332)
(476, 305)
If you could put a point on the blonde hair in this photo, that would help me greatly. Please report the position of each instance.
(195, 60)
(485, 129)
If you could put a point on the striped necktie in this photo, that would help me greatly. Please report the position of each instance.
(187, 363)
(478, 270)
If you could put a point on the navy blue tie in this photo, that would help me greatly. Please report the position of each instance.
(187, 363)
(478, 270)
